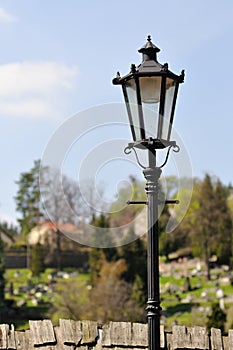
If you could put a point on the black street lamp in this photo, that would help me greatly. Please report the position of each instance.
(150, 91)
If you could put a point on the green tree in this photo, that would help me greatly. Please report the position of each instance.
(223, 228)
(98, 256)
(217, 318)
(138, 291)
(121, 213)
(208, 222)
(9, 229)
(28, 199)
(110, 298)
(37, 259)
(167, 242)
(135, 256)
(2, 271)
(70, 301)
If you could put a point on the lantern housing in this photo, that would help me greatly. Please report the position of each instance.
(150, 92)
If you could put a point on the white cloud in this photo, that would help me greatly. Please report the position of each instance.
(6, 17)
(34, 89)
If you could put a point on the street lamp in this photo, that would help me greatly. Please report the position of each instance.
(150, 92)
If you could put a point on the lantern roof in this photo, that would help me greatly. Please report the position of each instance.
(149, 65)
(149, 57)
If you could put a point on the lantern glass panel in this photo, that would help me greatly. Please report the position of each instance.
(169, 97)
(150, 116)
(150, 88)
(133, 106)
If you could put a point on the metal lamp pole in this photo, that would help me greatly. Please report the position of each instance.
(150, 91)
(152, 174)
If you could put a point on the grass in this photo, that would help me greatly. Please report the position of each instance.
(24, 305)
(189, 313)
(175, 309)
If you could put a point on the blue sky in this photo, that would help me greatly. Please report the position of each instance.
(59, 57)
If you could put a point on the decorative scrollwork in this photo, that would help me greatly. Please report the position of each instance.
(128, 150)
(176, 149)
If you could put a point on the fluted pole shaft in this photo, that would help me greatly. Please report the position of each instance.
(152, 174)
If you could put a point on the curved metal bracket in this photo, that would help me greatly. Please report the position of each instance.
(128, 150)
(176, 149)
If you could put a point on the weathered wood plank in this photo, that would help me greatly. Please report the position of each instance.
(123, 348)
(216, 339)
(139, 334)
(181, 337)
(117, 333)
(230, 339)
(60, 344)
(11, 338)
(225, 341)
(200, 338)
(89, 332)
(77, 329)
(84, 335)
(191, 338)
(169, 343)
(128, 334)
(4, 329)
(120, 333)
(20, 340)
(162, 337)
(71, 332)
(29, 340)
(105, 335)
(66, 332)
(42, 332)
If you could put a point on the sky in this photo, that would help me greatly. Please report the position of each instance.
(58, 59)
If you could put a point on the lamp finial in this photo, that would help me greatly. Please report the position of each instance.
(149, 50)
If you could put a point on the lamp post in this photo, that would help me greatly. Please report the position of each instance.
(150, 92)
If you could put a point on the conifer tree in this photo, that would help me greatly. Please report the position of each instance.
(209, 225)
(98, 256)
(2, 271)
(28, 199)
(217, 318)
(37, 260)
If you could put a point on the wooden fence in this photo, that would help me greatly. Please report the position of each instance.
(85, 335)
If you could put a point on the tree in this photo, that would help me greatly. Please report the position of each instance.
(110, 298)
(10, 229)
(60, 196)
(167, 243)
(2, 271)
(217, 318)
(223, 246)
(98, 256)
(121, 213)
(70, 300)
(135, 256)
(37, 260)
(28, 199)
(138, 291)
(208, 222)
(45, 193)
